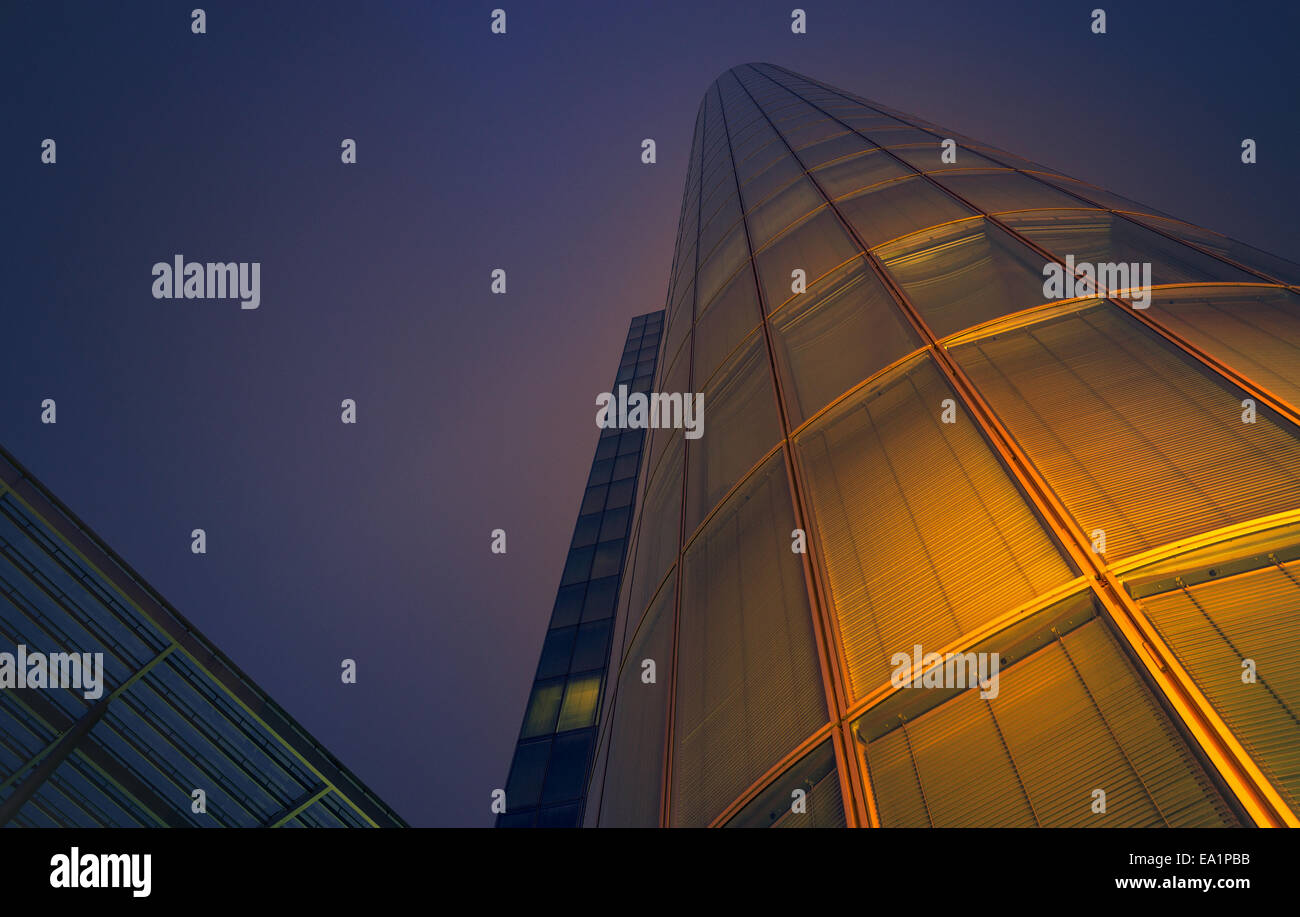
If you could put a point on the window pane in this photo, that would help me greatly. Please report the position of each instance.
(748, 684)
(682, 321)
(1096, 237)
(639, 723)
(842, 330)
(723, 262)
(543, 705)
(929, 158)
(1275, 267)
(965, 273)
(625, 467)
(901, 136)
(601, 595)
(614, 523)
(845, 175)
(1069, 718)
(556, 650)
(740, 424)
(578, 566)
(526, 773)
(733, 315)
(593, 501)
(718, 224)
(994, 192)
(777, 172)
(1098, 196)
(591, 651)
(657, 544)
(815, 246)
(620, 493)
(600, 471)
(785, 207)
(814, 132)
(1223, 605)
(676, 380)
(832, 149)
(1252, 330)
(579, 707)
(816, 775)
(885, 212)
(585, 532)
(568, 604)
(1136, 440)
(566, 773)
(608, 558)
(895, 495)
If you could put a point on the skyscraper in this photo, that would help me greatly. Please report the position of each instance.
(169, 733)
(548, 775)
(962, 411)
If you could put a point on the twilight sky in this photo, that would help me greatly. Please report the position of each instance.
(476, 411)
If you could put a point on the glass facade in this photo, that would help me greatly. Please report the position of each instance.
(910, 445)
(546, 787)
(170, 716)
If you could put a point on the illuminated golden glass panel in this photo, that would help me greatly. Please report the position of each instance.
(1138, 442)
(923, 534)
(814, 246)
(740, 425)
(842, 330)
(964, 273)
(748, 683)
(1254, 331)
(1070, 718)
(1220, 618)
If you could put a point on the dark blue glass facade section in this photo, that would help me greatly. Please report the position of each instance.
(548, 775)
(168, 716)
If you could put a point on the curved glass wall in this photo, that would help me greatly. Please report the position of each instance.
(911, 444)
